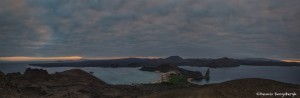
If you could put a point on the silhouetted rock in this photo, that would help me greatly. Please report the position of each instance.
(167, 67)
(206, 76)
(12, 79)
(36, 74)
(114, 65)
(37, 83)
(133, 65)
(14, 75)
(195, 75)
(2, 78)
(1, 74)
(77, 76)
(174, 58)
(223, 62)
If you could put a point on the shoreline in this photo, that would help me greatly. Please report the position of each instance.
(292, 82)
(38, 83)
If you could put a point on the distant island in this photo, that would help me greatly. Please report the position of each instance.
(175, 60)
(76, 83)
(175, 70)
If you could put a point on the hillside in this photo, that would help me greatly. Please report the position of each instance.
(242, 88)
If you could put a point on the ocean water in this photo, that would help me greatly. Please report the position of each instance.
(288, 74)
(134, 75)
(108, 75)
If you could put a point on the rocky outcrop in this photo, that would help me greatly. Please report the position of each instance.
(223, 62)
(2, 79)
(195, 75)
(174, 58)
(1, 74)
(36, 74)
(15, 75)
(206, 76)
(167, 67)
(77, 77)
(37, 83)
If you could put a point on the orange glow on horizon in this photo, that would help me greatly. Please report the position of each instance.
(23, 58)
(298, 61)
(122, 57)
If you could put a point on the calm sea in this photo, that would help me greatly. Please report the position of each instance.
(134, 75)
(288, 74)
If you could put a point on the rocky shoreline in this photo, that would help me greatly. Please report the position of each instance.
(76, 83)
(167, 67)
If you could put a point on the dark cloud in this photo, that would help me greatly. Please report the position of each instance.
(191, 28)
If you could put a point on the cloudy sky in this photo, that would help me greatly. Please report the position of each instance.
(113, 28)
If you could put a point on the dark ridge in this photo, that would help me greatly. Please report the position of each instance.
(1, 73)
(223, 62)
(174, 58)
(265, 62)
(36, 74)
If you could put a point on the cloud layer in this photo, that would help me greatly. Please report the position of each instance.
(190, 28)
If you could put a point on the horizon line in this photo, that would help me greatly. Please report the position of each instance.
(55, 58)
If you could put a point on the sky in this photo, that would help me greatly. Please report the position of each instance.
(150, 28)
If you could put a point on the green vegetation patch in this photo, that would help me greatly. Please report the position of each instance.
(177, 79)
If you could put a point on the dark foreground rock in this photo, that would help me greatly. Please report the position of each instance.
(36, 74)
(241, 88)
(37, 83)
(1, 73)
